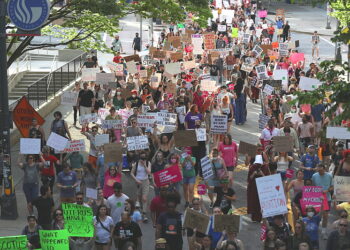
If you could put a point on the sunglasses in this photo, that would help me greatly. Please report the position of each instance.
(343, 225)
(94, 130)
(344, 216)
(59, 214)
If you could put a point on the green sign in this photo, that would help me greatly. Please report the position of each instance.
(234, 32)
(18, 242)
(180, 25)
(78, 220)
(54, 239)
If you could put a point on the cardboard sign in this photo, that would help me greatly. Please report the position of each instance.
(342, 188)
(74, 146)
(338, 133)
(189, 65)
(159, 54)
(137, 142)
(105, 78)
(102, 139)
(307, 83)
(30, 146)
(186, 38)
(193, 219)
(147, 120)
(173, 68)
(131, 67)
(201, 134)
(218, 124)
(312, 197)
(273, 54)
(23, 115)
(209, 41)
(89, 74)
(207, 168)
(57, 142)
(171, 88)
(78, 220)
(177, 42)
(247, 67)
(185, 138)
(84, 119)
(266, 47)
(54, 239)
(167, 176)
(263, 119)
(280, 13)
(176, 56)
(247, 148)
(69, 98)
(18, 242)
(282, 143)
(271, 195)
(135, 58)
(113, 152)
(230, 223)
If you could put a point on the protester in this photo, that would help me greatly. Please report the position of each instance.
(127, 231)
(45, 207)
(103, 228)
(116, 202)
(58, 222)
(32, 232)
(67, 181)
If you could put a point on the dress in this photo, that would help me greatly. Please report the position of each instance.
(240, 109)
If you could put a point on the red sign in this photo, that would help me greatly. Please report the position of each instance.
(201, 189)
(23, 115)
(167, 176)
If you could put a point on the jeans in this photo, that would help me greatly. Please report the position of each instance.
(31, 191)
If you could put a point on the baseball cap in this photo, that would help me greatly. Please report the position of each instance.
(287, 116)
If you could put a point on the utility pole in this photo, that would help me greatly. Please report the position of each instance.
(9, 204)
(140, 32)
(329, 10)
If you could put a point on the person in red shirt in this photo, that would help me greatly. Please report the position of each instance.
(158, 204)
(117, 58)
(271, 31)
(48, 172)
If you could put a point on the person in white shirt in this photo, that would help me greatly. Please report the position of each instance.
(116, 202)
(268, 133)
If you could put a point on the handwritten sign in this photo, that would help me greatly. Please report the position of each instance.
(342, 188)
(208, 85)
(257, 50)
(105, 78)
(167, 176)
(230, 223)
(247, 67)
(189, 65)
(102, 139)
(113, 152)
(166, 122)
(268, 89)
(112, 124)
(89, 74)
(30, 146)
(218, 124)
(282, 143)
(84, 119)
(197, 42)
(18, 242)
(91, 193)
(201, 134)
(312, 197)
(247, 148)
(207, 168)
(185, 138)
(137, 142)
(78, 220)
(271, 195)
(57, 142)
(147, 120)
(193, 219)
(173, 68)
(69, 98)
(209, 41)
(263, 119)
(131, 66)
(283, 49)
(74, 146)
(54, 239)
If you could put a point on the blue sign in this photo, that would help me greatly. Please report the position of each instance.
(28, 14)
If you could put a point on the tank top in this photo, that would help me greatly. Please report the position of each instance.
(141, 173)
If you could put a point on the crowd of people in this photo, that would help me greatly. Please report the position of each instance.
(234, 64)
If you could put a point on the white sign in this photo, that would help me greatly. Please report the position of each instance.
(105, 78)
(281, 74)
(208, 85)
(268, 89)
(222, 28)
(197, 42)
(166, 122)
(84, 119)
(271, 195)
(218, 124)
(89, 74)
(307, 83)
(57, 142)
(131, 66)
(112, 124)
(201, 134)
(189, 65)
(173, 68)
(30, 146)
(102, 139)
(342, 188)
(246, 38)
(137, 142)
(207, 168)
(262, 72)
(91, 193)
(283, 49)
(69, 98)
(257, 50)
(74, 146)
(338, 133)
(147, 120)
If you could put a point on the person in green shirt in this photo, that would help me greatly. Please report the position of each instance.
(76, 161)
(189, 177)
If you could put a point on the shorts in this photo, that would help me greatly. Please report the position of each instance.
(143, 188)
(213, 183)
(189, 180)
(315, 46)
(31, 191)
(84, 110)
(230, 168)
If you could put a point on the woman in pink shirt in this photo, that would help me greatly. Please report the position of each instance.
(228, 151)
(112, 175)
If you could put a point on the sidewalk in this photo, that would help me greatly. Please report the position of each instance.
(304, 19)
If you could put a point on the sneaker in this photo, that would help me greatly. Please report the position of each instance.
(145, 219)
(137, 204)
(211, 205)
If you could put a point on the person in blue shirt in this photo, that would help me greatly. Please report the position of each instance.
(214, 235)
(312, 221)
(324, 180)
(309, 162)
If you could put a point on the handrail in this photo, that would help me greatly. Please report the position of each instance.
(50, 74)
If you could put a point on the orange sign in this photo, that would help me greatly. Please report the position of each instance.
(23, 115)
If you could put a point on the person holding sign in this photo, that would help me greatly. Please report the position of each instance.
(228, 151)
(93, 152)
(187, 163)
(32, 232)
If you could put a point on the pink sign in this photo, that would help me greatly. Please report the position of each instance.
(296, 57)
(201, 189)
(289, 173)
(262, 13)
(311, 197)
(305, 108)
(167, 176)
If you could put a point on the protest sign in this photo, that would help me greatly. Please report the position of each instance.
(201, 189)
(176, 56)
(119, 70)
(261, 71)
(74, 146)
(57, 142)
(147, 120)
(208, 85)
(30, 146)
(307, 83)
(84, 119)
(102, 113)
(189, 65)
(135, 58)
(91, 193)
(257, 50)
(113, 152)
(131, 67)
(228, 15)
(280, 13)
(342, 188)
(173, 68)
(276, 84)
(185, 138)
(262, 13)
(305, 108)
(197, 42)
(209, 41)
(193, 219)
(222, 28)
(18, 242)
(234, 32)
(281, 74)
(143, 73)
(177, 42)
(102, 139)
(167, 176)
(112, 124)
(23, 115)
(54, 239)
(297, 57)
(282, 143)
(186, 38)
(338, 133)
(78, 220)
(247, 148)
(171, 88)
(218, 124)
(247, 67)
(266, 47)
(246, 38)
(207, 168)
(268, 89)
(230, 223)
(201, 134)
(283, 49)
(289, 173)
(166, 122)
(105, 78)
(69, 98)
(137, 142)
(271, 195)
(312, 197)
(273, 54)
(125, 114)
(89, 74)
(263, 119)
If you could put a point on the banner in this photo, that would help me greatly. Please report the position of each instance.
(54, 239)
(207, 168)
(193, 219)
(218, 124)
(342, 188)
(137, 142)
(78, 220)
(167, 176)
(23, 115)
(69, 98)
(312, 197)
(18, 242)
(89, 74)
(30, 146)
(271, 195)
(57, 142)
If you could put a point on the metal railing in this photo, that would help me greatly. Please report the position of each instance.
(46, 87)
(53, 64)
